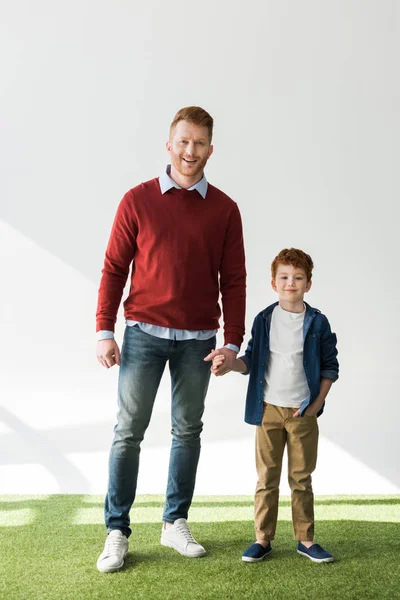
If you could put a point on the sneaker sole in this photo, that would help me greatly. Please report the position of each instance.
(317, 560)
(252, 560)
(169, 545)
(112, 569)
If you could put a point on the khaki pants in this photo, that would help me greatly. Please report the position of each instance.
(279, 428)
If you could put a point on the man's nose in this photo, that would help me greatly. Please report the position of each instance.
(189, 150)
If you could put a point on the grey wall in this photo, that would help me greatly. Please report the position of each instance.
(305, 99)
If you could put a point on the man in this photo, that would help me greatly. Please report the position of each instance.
(184, 240)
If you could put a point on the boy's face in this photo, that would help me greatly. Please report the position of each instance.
(291, 283)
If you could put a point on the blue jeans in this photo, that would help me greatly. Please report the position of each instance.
(143, 359)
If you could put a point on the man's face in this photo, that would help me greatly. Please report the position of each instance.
(189, 148)
(291, 283)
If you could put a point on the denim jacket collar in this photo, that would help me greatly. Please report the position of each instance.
(308, 317)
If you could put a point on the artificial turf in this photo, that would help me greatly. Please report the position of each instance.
(49, 546)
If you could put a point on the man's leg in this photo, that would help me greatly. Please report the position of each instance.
(143, 359)
(190, 377)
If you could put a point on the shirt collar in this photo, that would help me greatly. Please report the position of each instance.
(166, 183)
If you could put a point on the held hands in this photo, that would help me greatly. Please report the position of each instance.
(222, 359)
(108, 353)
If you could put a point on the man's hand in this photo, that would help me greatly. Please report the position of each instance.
(108, 353)
(226, 365)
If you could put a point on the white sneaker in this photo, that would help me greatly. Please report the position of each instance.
(115, 550)
(178, 536)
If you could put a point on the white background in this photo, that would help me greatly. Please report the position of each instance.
(305, 97)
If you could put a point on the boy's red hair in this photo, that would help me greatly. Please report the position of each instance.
(295, 257)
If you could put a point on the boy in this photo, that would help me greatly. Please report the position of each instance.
(291, 360)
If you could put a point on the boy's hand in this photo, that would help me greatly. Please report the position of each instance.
(217, 363)
(225, 362)
(311, 410)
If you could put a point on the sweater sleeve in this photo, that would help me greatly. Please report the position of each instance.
(233, 280)
(119, 255)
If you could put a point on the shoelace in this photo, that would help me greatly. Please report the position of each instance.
(114, 544)
(183, 530)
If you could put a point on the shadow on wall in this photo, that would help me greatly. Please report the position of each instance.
(24, 445)
(29, 446)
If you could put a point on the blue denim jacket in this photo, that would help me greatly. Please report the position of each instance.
(319, 359)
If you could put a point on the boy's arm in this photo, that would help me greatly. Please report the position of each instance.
(239, 366)
(312, 410)
(329, 368)
(329, 362)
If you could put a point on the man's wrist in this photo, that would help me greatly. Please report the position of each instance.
(104, 334)
(232, 347)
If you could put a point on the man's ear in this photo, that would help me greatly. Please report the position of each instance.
(168, 146)
(210, 150)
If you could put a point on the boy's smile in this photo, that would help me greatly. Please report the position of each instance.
(291, 284)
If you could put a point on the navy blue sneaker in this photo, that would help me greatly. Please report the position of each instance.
(256, 552)
(315, 553)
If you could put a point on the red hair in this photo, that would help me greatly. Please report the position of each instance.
(196, 115)
(295, 257)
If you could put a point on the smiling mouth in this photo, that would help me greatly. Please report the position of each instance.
(190, 162)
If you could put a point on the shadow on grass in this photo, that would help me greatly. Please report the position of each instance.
(54, 559)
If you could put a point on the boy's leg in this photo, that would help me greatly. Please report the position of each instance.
(270, 445)
(143, 360)
(302, 445)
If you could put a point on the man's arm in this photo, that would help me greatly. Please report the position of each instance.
(119, 255)
(233, 280)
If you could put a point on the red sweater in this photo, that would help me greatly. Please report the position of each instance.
(184, 250)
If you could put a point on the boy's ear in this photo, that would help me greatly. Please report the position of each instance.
(273, 284)
(309, 284)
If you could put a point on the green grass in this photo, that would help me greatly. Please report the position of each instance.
(49, 546)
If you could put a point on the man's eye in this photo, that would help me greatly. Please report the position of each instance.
(200, 143)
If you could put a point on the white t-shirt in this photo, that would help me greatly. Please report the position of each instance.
(285, 380)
